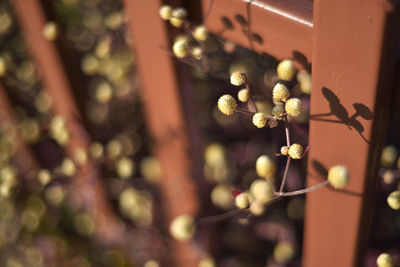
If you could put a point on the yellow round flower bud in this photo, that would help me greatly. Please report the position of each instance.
(165, 12)
(284, 251)
(384, 260)
(180, 48)
(197, 52)
(227, 104)
(293, 107)
(257, 208)
(68, 167)
(103, 93)
(286, 70)
(80, 156)
(244, 95)
(242, 201)
(125, 167)
(280, 92)
(150, 169)
(96, 150)
(237, 78)
(207, 262)
(221, 196)
(304, 79)
(50, 31)
(338, 176)
(393, 200)
(295, 151)
(179, 12)
(284, 150)
(278, 111)
(200, 33)
(44, 176)
(389, 155)
(259, 120)
(176, 22)
(3, 67)
(151, 263)
(182, 227)
(265, 167)
(261, 190)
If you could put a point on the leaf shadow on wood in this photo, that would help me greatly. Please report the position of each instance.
(342, 115)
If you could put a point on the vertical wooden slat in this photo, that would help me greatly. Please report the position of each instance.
(87, 185)
(165, 119)
(353, 64)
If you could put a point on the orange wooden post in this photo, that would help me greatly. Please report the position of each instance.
(32, 19)
(165, 119)
(354, 52)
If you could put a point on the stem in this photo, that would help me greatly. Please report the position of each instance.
(288, 159)
(251, 100)
(221, 217)
(244, 111)
(304, 191)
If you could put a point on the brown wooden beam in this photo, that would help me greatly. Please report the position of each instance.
(354, 52)
(165, 119)
(285, 26)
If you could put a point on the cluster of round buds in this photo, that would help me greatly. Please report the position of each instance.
(182, 227)
(295, 151)
(286, 70)
(244, 95)
(384, 260)
(265, 167)
(259, 120)
(280, 93)
(293, 107)
(338, 176)
(227, 104)
(175, 16)
(237, 78)
(200, 33)
(393, 200)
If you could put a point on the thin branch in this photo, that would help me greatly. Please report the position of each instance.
(251, 100)
(303, 191)
(285, 174)
(220, 217)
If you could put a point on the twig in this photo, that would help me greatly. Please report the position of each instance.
(303, 191)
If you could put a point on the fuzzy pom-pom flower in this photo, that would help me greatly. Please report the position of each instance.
(200, 33)
(293, 107)
(393, 200)
(295, 151)
(227, 104)
(286, 70)
(244, 95)
(165, 12)
(259, 120)
(384, 260)
(338, 176)
(265, 167)
(242, 201)
(280, 92)
(237, 78)
(262, 190)
(180, 48)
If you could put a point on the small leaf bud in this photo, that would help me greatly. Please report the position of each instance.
(384, 260)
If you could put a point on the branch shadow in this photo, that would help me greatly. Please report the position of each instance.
(342, 115)
(323, 172)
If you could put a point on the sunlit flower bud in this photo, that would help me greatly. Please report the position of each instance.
(265, 167)
(44, 176)
(200, 33)
(295, 151)
(68, 167)
(197, 52)
(180, 48)
(280, 92)
(293, 107)
(284, 150)
(237, 78)
(393, 200)
(286, 70)
(242, 201)
(262, 190)
(389, 155)
(284, 251)
(259, 120)
(50, 31)
(257, 208)
(227, 104)
(384, 260)
(182, 227)
(125, 168)
(338, 176)
(244, 95)
(165, 12)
